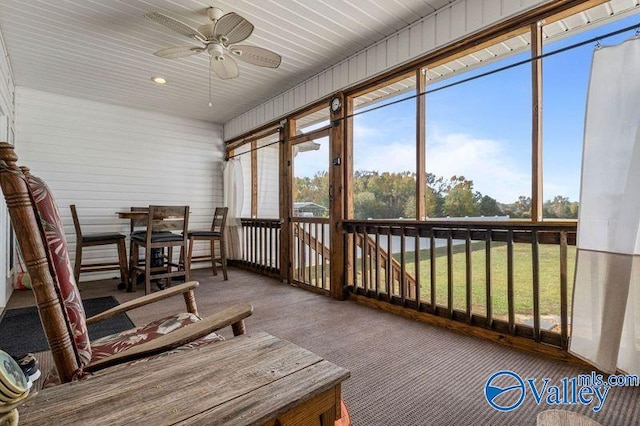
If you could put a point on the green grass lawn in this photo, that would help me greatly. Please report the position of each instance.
(549, 256)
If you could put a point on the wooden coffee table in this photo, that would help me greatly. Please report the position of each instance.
(250, 379)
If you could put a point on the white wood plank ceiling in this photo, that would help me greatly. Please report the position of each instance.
(102, 50)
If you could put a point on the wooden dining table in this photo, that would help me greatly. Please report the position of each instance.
(133, 215)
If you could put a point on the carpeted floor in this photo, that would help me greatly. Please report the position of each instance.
(21, 330)
(403, 372)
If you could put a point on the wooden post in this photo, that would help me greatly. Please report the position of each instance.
(286, 196)
(536, 124)
(348, 187)
(421, 166)
(337, 200)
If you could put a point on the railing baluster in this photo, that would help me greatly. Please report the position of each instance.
(317, 248)
(564, 303)
(402, 278)
(309, 254)
(277, 248)
(370, 263)
(389, 274)
(300, 265)
(354, 270)
(535, 260)
(450, 272)
(468, 271)
(365, 254)
(510, 290)
(432, 269)
(489, 290)
(377, 261)
(268, 247)
(416, 264)
(255, 247)
(263, 225)
(322, 259)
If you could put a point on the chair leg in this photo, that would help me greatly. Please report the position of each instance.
(133, 262)
(223, 258)
(122, 258)
(186, 264)
(170, 265)
(78, 263)
(213, 257)
(147, 270)
(187, 261)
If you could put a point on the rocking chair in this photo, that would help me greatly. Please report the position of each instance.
(39, 232)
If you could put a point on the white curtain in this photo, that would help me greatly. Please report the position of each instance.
(269, 182)
(233, 199)
(606, 304)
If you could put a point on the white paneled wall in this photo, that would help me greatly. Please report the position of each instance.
(7, 89)
(106, 158)
(443, 27)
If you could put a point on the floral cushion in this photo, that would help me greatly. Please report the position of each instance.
(119, 342)
(63, 273)
(109, 345)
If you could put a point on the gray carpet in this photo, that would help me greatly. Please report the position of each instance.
(21, 330)
(403, 373)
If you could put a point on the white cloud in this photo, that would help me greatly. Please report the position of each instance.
(383, 150)
(485, 161)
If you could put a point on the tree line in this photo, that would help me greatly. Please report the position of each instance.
(385, 195)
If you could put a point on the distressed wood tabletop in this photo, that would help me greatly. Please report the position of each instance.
(250, 379)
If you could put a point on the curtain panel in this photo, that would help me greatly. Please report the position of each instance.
(233, 188)
(606, 302)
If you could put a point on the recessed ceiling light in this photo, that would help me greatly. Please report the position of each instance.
(158, 80)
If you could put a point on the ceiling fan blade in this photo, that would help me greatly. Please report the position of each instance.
(232, 28)
(178, 52)
(175, 25)
(256, 56)
(225, 67)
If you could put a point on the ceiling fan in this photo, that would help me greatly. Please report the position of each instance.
(219, 39)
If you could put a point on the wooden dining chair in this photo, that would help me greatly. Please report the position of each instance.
(138, 225)
(98, 239)
(166, 229)
(215, 234)
(40, 234)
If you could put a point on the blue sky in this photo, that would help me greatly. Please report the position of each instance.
(482, 129)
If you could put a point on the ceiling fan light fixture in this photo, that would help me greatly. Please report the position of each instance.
(215, 13)
(219, 39)
(159, 80)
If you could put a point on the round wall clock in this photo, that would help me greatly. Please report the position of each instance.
(336, 104)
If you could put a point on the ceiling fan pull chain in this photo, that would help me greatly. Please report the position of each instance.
(210, 104)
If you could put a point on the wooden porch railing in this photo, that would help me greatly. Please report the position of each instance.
(261, 245)
(507, 276)
(311, 251)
